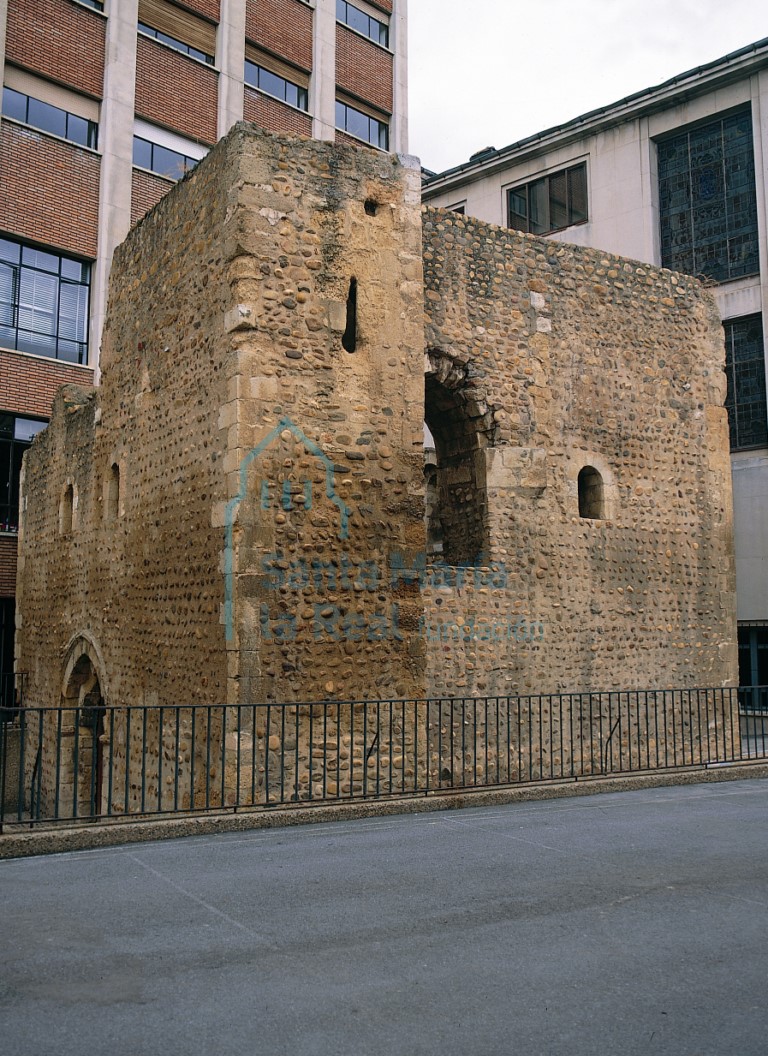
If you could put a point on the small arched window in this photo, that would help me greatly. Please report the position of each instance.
(66, 509)
(591, 497)
(113, 493)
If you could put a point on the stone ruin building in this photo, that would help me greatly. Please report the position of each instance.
(239, 512)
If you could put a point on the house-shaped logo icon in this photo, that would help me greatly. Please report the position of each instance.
(272, 494)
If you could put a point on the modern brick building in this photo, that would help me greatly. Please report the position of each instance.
(676, 176)
(106, 103)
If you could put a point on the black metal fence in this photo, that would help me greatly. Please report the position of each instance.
(88, 763)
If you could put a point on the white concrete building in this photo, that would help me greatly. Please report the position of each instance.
(676, 175)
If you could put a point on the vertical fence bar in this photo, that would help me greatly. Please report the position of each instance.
(254, 742)
(127, 767)
(160, 758)
(57, 775)
(296, 761)
(110, 774)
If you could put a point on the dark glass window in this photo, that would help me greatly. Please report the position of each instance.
(551, 202)
(43, 302)
(745, 369)
(97, 5)
(177, 45)
(16, 435)
(50, 118)
(370, 27)
(753, 666)
(266, 81)
(360, 125)
(707, 200)
(159, 159)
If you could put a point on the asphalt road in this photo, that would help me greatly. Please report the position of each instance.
(621, 924)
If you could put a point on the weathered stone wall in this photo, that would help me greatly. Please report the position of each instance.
(547, 359)
(237, 515)
(266, 437)
(324, 425)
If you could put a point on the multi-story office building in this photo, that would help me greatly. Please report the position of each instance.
(106, 103)
(676, 175)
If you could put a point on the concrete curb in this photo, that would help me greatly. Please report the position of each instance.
(57, 841)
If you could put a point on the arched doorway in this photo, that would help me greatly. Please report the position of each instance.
(461, 424)
(82, 693)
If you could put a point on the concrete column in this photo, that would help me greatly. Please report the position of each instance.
(230, 58)
(116, 144)
(3, 25)
(322, 92)
(399, 36)
(759, 85)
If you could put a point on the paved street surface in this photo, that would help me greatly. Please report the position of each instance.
(630, 923)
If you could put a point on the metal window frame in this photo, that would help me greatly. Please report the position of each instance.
(92, 126)
(61, 280)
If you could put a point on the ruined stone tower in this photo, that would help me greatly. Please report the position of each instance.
(237, 514)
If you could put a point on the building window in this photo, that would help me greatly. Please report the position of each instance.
(177, 45)
(97, 5)
(16, 435)
(273, 84)
(745, 370)
(162, 160)
(362, 126)
(43, 302)
(551, 202)
(707, 200)
(178, 29)
(753, 666)
(591, 499)
(370, 27)
(49, 118)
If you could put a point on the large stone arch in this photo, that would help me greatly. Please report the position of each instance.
(461, 420)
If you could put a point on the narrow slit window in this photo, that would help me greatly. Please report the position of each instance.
(113, 493)
(66, 510)
(349, 339)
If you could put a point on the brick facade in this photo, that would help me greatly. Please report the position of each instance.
(58, 39)
(283, 27)
(60, 206)
(175, 91)
(363, 68)
(8, 551)
(207, 8)
(146, 191)
(274, 115)
(28, 384)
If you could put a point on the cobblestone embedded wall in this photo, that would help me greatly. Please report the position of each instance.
(228, 314)
(238, 514)
(546, 359)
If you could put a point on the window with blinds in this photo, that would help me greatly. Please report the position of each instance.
(178, 29)
(43, 302)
